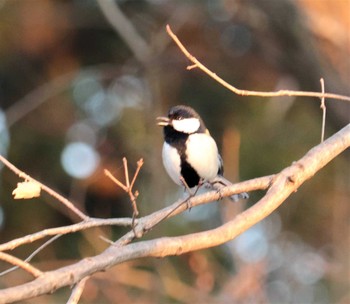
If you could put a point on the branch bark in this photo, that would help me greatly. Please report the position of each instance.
(19, 263)
(281, 187)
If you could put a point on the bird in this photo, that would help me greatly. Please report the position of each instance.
(190, 154)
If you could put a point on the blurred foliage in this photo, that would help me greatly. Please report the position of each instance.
(66, 76)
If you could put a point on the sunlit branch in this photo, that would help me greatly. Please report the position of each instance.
(77, 291)
(22, 264)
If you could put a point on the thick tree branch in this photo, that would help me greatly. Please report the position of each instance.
(282, 186)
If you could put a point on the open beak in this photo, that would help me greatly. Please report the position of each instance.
(163, 121)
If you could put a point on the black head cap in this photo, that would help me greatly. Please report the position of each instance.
(181, 111)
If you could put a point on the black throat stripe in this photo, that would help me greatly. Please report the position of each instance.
(190, 175)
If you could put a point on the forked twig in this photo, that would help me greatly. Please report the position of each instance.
(128, 187)
(115, 180)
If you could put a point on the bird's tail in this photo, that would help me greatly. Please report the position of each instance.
(220, 182)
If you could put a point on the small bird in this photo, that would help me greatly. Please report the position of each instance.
(190, 154)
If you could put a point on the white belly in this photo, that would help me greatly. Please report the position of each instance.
(172, 162)
(202, 155)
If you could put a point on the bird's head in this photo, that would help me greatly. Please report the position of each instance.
(183, 119)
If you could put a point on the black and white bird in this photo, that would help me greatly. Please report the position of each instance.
(190, 154)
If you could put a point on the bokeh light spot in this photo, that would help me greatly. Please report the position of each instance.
(309, 268)
(252, 246)
(79, 160)
(4, 134)
(2, 218)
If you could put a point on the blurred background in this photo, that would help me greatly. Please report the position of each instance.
(81, 83)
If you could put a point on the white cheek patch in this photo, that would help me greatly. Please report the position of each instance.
(186, 125)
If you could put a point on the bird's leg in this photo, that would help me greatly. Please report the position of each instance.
(189, 191)
(187, 188)
(200, 184)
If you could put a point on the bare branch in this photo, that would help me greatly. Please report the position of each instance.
(33, 254)
(18, 262)
(139, 165)
(126, 172)
(92, 222)
(282, 185)
(198, 64)
(115, 180)
(77, 291)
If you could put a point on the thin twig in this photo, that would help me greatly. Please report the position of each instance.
(126, 172)
(107, 240)
(133, 196)
(128, 187)
(139, 165)
(77, 291)
(51, 192)
(18, 262)
(115, 180)
(171, 212)
(323, 107)
(198, 64)
(92, 222)
(32, 255)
